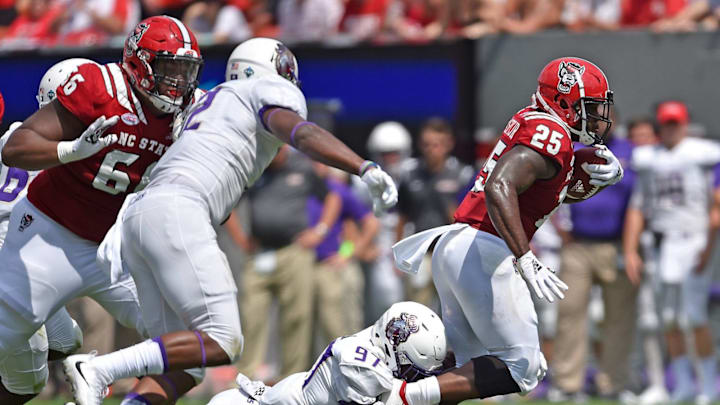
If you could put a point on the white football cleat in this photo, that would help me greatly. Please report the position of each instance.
(86, 386)
(654, 395)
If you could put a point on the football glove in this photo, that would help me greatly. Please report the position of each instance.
(90, 142)
(541, 279)
(382, 189)
(607, 174)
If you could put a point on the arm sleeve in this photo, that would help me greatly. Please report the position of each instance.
(548, 138)
(274, 91)
(85, 93)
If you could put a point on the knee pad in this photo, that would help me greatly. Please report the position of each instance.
(492, 377)
(25, 371)
(230, 339)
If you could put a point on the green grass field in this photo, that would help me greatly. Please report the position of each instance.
(200, 402)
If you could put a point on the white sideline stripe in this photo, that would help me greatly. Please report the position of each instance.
(184, 31)
(106, 77)
(122, 91)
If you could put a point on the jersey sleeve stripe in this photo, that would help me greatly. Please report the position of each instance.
(106, 78)
(539, 116)
(184, 31)
(138, 107)
(122, 91)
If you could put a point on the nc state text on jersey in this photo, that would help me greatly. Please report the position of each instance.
(130, 140)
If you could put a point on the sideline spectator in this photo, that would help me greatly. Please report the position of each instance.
(8, 13)
(224, 22)
(339, 283)
(418, 20)
(173, 8)
(641, 13)
(427, 197)
(581, 15)
(85, 22)
(590, 256)
(308, 20)
(530, 16)
(35, 25)
(282, 244)
(671, 199)
(364, 19)
(478, 18)
(390, 145)
(696, 14)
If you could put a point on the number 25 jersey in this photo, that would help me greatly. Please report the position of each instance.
(544, 134)
(85, 196)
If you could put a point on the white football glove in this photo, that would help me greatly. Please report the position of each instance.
(607, 174)
(541, 278)
(90, 142)
(382, 189)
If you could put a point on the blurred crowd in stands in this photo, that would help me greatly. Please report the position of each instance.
(41, 23)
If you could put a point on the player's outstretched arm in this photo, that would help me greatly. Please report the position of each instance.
(324, 147)
(53, 136)
(312, 140)
(514, 173)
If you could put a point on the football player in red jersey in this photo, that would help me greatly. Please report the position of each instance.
(482, 265)
(97, 141)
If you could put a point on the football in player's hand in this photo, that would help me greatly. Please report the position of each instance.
(579, 187)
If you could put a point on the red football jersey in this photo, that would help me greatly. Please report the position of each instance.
(85, 196)
(545, 134)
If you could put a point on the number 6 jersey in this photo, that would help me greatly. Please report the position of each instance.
(85, 196)
(544, 134)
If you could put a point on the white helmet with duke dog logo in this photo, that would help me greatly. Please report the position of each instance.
(261, 56)
(413, 339)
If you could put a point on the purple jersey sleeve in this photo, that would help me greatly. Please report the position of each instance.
(716, 175)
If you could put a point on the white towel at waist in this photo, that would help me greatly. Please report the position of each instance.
(408, 253)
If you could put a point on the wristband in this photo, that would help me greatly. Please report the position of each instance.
(347, 248)
(367, 165)
(65, 152)
(321, 229)
(296, 127)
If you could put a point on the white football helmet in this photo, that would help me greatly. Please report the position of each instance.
(389, 136)
(261, 56)
(55, 76)
(412, 337)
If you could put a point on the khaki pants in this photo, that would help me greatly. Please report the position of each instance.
(583, 263)
(339, 299)
(289, 279)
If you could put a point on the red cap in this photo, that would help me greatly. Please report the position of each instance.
(672, 111)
